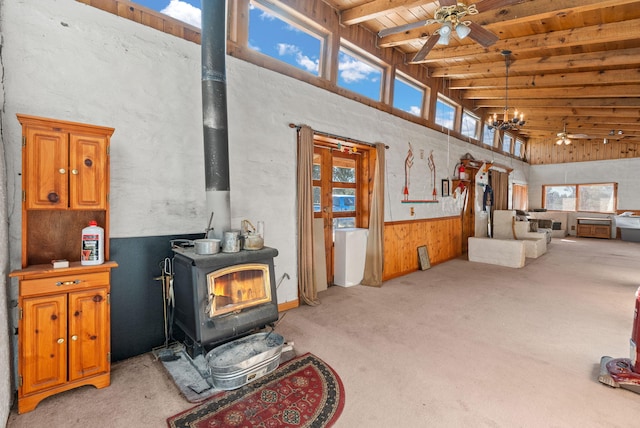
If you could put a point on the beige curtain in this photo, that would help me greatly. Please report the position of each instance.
(307, 289)
(374, 259)
(500, 186)
(499, 182)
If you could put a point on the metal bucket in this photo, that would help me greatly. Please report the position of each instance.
(241, 361)
(231, 242)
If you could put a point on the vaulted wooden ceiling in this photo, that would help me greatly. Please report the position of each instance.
(573, 62)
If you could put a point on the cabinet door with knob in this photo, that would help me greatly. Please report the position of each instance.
(47, 159)
(67, 169)
(44, 349)
(88, 333)
(64, 336)
(65, 185)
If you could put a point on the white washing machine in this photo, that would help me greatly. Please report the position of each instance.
(350, 247)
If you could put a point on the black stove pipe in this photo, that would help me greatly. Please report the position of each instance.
(214, 114)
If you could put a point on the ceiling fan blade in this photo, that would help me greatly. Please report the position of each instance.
(448, 2)
(485, 5)
(483, 37)
(426, 48)
(580, 136)
(402, 28)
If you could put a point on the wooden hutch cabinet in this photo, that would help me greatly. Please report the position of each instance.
(64, 332)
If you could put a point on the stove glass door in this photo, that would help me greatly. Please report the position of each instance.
(237, 287)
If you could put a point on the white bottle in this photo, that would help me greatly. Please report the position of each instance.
(92, 245)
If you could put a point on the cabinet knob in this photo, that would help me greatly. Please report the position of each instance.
(74, 337)
(74, 171)
(61, 340)
(62, 170)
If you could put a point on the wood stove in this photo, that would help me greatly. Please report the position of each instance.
(223, 296)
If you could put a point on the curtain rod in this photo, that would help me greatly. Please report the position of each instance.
(327, 134)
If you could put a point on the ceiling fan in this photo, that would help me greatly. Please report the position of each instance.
(451, 16)
(564, 138)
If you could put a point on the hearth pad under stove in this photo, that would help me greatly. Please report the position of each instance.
(192, 374)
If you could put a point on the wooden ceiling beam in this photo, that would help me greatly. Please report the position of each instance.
(623, 91)
(603, 77)
(621, 103)
(594, 129)
(603, 33)
(544, 64)
(530, 11)
(374, 9)
(592, 113)
(608, 123)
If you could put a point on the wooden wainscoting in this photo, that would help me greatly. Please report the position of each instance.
(441, 236)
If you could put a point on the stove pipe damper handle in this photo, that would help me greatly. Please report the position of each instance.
(214, 115)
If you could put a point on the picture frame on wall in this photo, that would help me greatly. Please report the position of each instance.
(445, 187)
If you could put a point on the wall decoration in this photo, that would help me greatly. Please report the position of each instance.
(408, 163)
(445, 187)
(432, 168)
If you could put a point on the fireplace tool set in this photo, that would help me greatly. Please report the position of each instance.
(167, 352)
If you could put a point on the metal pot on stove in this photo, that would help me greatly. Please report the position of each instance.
(205, 246)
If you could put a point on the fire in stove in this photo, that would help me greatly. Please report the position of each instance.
(223, 296)
(238, 287)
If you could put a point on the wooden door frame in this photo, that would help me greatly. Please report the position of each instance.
(365, 165)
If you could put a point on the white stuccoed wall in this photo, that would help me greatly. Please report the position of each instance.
(623, 171)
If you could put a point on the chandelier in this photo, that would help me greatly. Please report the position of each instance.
(505, 123)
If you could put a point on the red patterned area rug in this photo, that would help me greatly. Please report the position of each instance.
(303, 392)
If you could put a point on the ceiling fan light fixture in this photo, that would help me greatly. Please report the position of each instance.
(445, 30)
(462, 30)
(443, 40)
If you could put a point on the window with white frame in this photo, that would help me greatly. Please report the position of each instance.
(445, 112)
(358, 74)
(470, 125)
(407, 95)
(286, 39)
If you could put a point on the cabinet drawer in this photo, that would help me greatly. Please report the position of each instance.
(63, 283)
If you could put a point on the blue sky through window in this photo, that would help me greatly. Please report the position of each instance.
(278, 39)
(445, 113)
(357, 75)
(407, 96)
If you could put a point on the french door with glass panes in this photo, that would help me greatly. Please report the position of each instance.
(337, 198)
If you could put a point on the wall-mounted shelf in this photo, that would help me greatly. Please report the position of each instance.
(420, 201)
